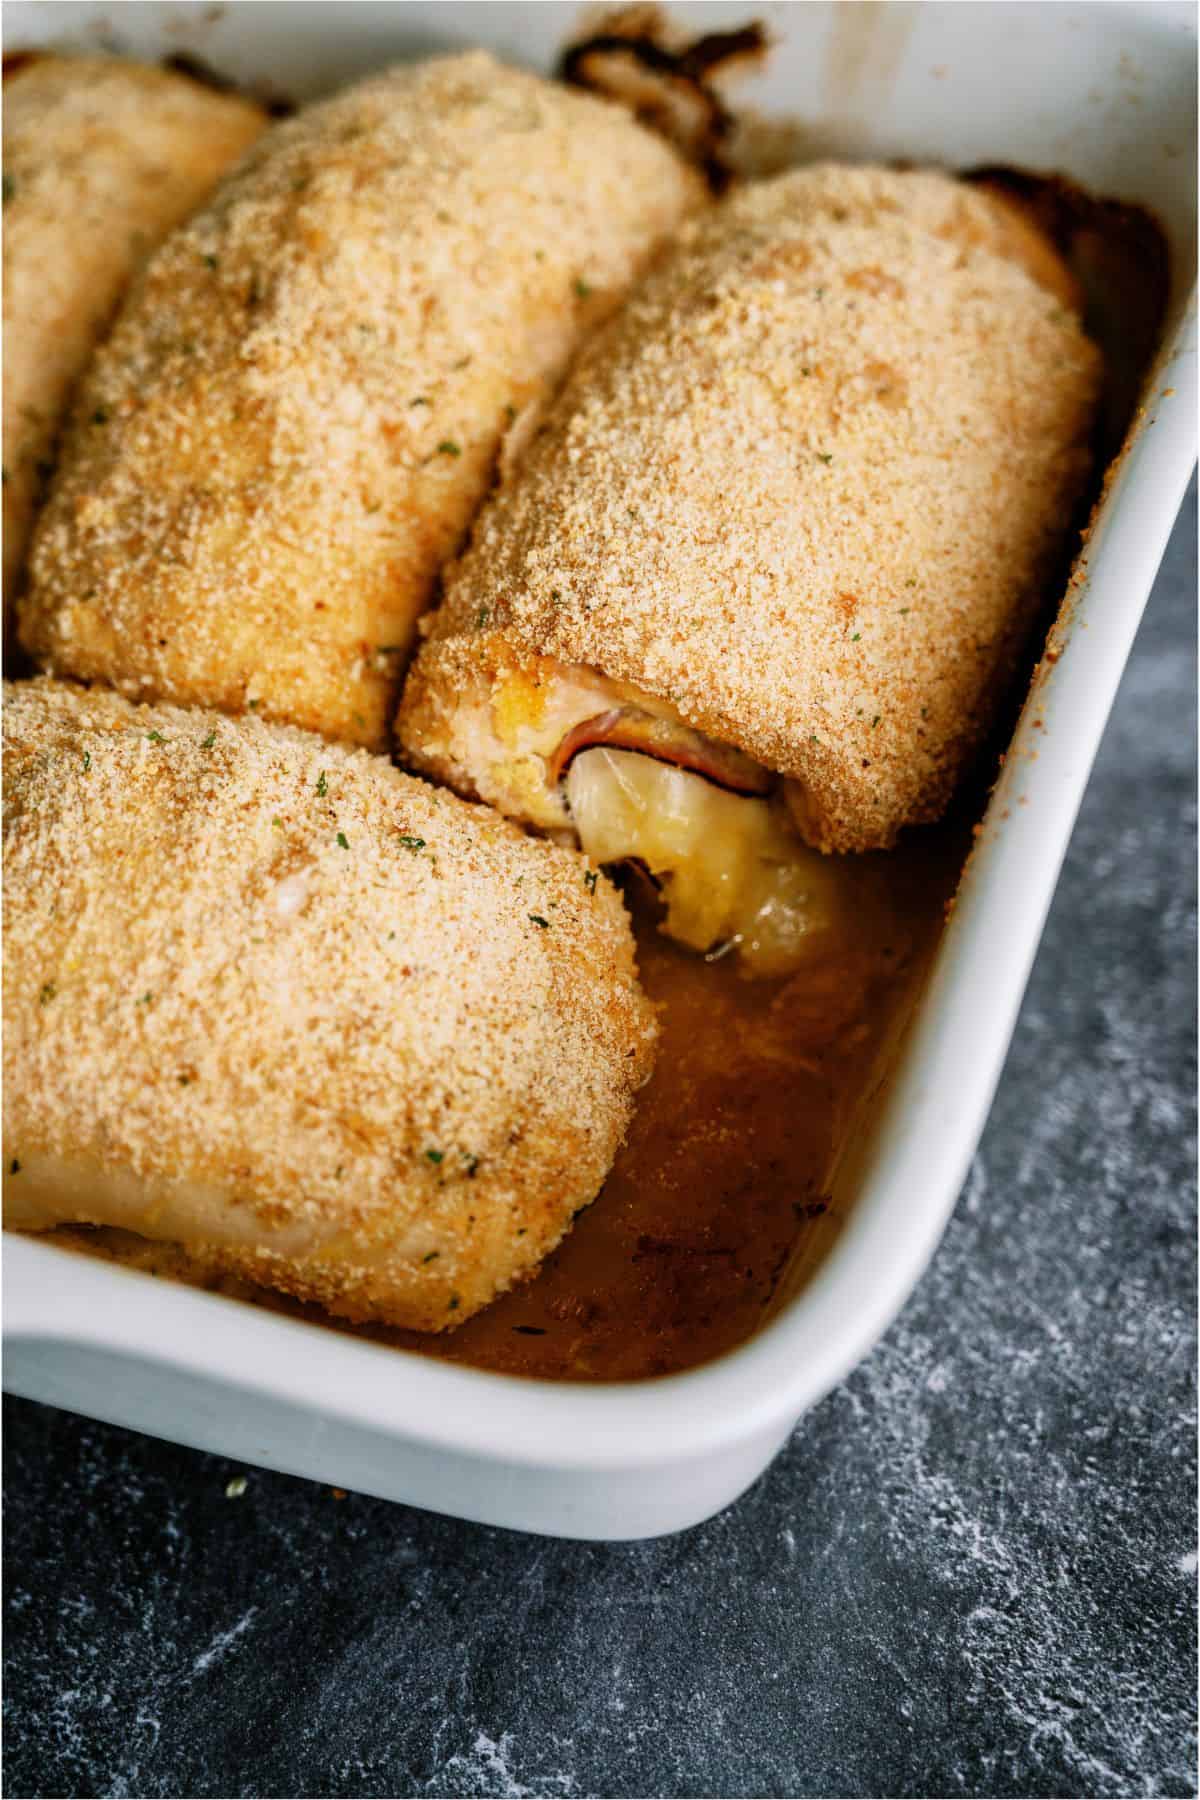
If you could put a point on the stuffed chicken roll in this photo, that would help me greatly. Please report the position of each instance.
(306, 394)
(102, 157)
(322, 1025)
(761, 580)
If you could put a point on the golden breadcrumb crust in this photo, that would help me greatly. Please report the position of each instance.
(374, 1046)
(804, 487)
(304, 398)
(101, 158)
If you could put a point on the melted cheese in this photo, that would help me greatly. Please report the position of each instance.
(732, 870)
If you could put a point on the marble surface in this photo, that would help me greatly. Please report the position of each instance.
(972, 1570)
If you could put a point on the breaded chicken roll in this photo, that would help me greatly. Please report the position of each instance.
(306, 394)
(764, 571)
(101, 159)
(319, 1023)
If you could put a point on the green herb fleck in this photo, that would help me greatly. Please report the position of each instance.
(100, 416)
(452, 1305)
(277, 822)
(510, 412)
(538, 920)
(911, 582)
(589, 881)
(448, 447)
(155, 737)
(145, 999)
(825, 456)
(813, 738)
(875, 721)
(10, 188)
(856, 637)
(482, 617)
(322, 785)
(47, 994)
(583, 288)
(556, 596)
(210, 262)
(14, 1167)
(254, 705)
(435, 1156)
(208, 742)
(87, 761)
(432, 1256)
(343, 841)
(806, 370)
(412, 843)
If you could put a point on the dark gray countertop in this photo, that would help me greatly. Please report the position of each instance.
(972, 1571)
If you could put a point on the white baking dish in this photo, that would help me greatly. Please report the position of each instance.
(1104, 93)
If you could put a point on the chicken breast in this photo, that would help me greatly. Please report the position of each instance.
(307, 392)
(323, 1025)
(782, 535)
(101, 159)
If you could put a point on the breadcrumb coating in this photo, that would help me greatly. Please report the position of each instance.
(306, 394)
(101, 159)
(803, 488)
(331, 1028)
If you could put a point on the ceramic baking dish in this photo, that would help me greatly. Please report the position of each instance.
(1103, 93)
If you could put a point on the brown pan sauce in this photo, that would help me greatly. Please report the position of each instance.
(724, 1180)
